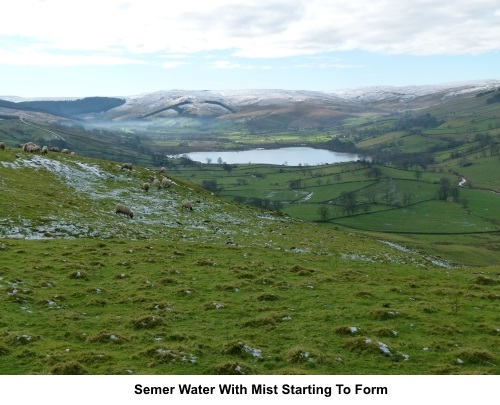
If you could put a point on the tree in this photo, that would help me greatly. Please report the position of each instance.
(276, 205)
(227, 167)
(374, 172)
(407, 198)
(370, 195)
(446, 191)
(210, 185)
(295, 184)
(348, 201)
(324, 213)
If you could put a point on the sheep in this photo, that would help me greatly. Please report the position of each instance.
(65, 151)
(2, 146)
(123, 209)
(54, 149)
(157, 183)
(163, 170)
(166, 182)
(127, 166)
(73, 153)
(187, 205)
(45, 150)
(30, 147)
(145, 187)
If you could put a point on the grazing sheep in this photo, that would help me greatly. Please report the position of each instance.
(157, 183)
(30, 147)
(127, 166)
(2, 145)
(123, 209)
(145, 187)
(166, 182)
(187, 205)
(45, 150)
(54, 149)
(163, 170)
(73, 153)
(26, 147)
(65, 151)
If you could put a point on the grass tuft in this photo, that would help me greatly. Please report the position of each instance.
(68, 368)
(382, 314)
(483, 280)
(106, 337)
(475, 356)
(298, 355)
(230, 368)
(267, 297)
(147, 322)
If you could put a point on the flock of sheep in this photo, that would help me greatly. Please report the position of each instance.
(31, 147)
(34, 148)
(164, 183)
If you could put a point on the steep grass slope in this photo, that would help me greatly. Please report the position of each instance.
(222, 289)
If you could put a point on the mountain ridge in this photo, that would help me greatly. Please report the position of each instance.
(256, 111)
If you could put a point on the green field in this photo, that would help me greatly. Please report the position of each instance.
(426, 217)
(223, 289)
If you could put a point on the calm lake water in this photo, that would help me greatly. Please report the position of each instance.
(292, 156)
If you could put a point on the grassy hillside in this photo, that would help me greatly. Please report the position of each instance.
(222, 289)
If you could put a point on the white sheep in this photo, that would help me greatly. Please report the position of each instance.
(54, 149)
(127, 166)
(157, 183)
(187, 205)
(65, 151)
(145, 187)
(166, 182)
(123, 209)
(45, 150)
(30, 147)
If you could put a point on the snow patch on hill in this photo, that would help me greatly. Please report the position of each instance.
(406, 93)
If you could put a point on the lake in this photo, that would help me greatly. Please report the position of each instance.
(292, 156)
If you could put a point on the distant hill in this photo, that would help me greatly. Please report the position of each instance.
(66, 108)
(253, 110)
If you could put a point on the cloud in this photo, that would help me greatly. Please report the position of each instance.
(340, 66)
(173, 64)
(225, 64)
(32, 57)
(122, 31)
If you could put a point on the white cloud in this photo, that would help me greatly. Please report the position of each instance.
(173, 64)
(225, 64)
(31, 57)
(340, 66)
(123, 29)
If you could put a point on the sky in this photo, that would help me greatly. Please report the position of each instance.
(80, 48)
